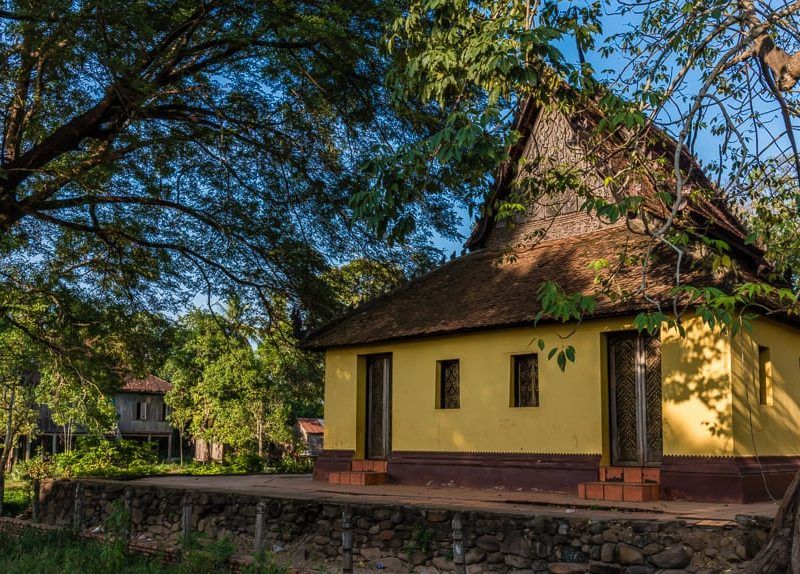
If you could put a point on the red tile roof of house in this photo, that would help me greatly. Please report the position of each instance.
(150, 384)
(311, 426)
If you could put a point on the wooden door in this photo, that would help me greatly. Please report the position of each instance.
(634, 361)
(379, 406)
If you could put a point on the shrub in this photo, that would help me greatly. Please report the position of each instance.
(99, 456)
(244, 462)
(37, 467)
(17, 498)
(292, 465)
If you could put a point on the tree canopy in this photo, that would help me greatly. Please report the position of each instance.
(152, 151)
(237, 385)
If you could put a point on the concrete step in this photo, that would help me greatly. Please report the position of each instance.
(357, 478)
(619, 491)
(632, 474)
(368, 465)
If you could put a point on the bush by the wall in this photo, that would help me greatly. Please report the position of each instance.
(113, 458)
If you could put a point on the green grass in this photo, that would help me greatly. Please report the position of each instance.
(17, 498)
(61, 553)
(54, 553)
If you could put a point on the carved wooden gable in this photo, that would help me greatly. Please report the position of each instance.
(554, 143)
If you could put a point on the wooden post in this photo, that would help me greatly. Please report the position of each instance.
(76, 507)
(127, 502)
(35, 502)
(458, 544)
(347, 540)
(261, 520)
(186, 519)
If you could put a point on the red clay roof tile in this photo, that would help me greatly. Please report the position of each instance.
(150, 384)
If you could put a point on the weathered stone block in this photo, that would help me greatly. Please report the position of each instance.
(517, 561)
(607, 552)
(371, 554)
(474, 555)
(437, 515)
(604, 568)
(516, 544)
(442, 563)
(629, 555)
(488, 543)
(673, 557)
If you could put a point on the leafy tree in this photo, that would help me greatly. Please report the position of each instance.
(154, 149)
(363, 279)
(17, 382)
(151, 151)
(236, 385)
(69, 355)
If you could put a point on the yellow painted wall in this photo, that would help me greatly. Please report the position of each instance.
(775, 427)
(572, 418)
(696, 392)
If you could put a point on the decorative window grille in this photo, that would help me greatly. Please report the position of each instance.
(526, 380)
(449, 385)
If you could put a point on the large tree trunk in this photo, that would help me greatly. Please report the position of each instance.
(781, 553)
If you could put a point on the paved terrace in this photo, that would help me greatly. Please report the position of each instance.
(444, 497)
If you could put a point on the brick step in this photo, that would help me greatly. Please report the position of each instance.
(618, 491)
(357, 478)
(631, 474)
(368, 465)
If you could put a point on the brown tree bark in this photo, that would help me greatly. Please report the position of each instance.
(784, 66)
(781, 553)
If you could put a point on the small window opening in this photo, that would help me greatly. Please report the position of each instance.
(525, 391)
(449, 384)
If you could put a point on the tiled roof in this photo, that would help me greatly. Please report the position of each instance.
(481, 291)
(311, 426)
(150, 384)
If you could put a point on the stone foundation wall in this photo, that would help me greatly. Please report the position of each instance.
(405, 538)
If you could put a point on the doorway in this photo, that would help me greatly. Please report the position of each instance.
(379, 407)
(634, 363)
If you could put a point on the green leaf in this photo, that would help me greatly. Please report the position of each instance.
(562, 361)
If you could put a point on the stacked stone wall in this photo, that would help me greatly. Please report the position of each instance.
(409, 538)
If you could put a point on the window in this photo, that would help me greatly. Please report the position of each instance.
(525, 378)
(141, 411)
(764, 376)
(164, 411)
(449, 384)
